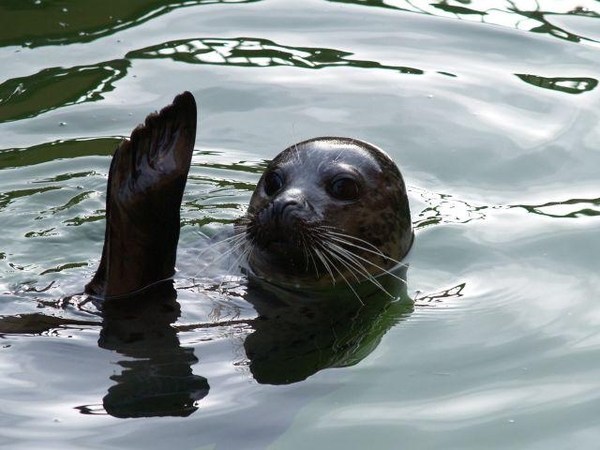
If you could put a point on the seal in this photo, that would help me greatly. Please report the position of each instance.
(326, 211)
(145, 186)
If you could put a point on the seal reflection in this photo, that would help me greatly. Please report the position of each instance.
(293, 336)
(157, 378)
(297, 334)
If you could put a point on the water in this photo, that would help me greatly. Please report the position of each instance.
(491, 111)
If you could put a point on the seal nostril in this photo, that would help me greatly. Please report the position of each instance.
(284, 208)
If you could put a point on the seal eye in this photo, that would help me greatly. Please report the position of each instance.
(344, 188)
(273, 182)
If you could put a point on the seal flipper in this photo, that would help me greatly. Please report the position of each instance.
(146, 180)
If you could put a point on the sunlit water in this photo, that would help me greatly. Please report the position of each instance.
(489, 108)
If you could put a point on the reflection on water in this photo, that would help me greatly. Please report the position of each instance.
(57, 87)
(298, 334)
(534, 16)
(22, 98)
(156, 377)
(12, 158)
(247, 52)
(567, 209)
(38, 23)
(38, 323)
(445, 208)
(561, 84)
(518, 272)
(294, 336)
(435, 298)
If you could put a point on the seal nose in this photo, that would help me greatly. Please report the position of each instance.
(282, 222)
(288, 205)
(282, 210)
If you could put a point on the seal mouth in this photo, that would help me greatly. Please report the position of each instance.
(283, 248)
(282, 244)
(280, 228)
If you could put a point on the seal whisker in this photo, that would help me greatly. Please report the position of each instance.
(236, 242)
(370, 245)
(314, 264)
(360, 247)
(342, 238)
(374, 264)
(325, 264)
(346, 258)
(236, 263)
(297, 154)
(338, 256)
(228, 240)
(341, 274)
(352, 258)
(338, 233)
(344, 262)
(307, 248)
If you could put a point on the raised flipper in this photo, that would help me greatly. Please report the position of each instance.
(145, 187)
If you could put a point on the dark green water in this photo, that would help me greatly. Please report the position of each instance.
(489, 108)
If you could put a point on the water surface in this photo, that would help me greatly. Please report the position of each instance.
(489, 108)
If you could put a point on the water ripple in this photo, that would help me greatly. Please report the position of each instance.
(566, 209)
(81, 21)
(52, 88)
(535, 17)
(256, 52)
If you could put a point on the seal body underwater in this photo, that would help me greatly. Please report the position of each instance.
(326, 211)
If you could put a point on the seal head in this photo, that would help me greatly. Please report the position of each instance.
(325, 211)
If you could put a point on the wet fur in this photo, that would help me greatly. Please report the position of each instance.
(325, 243)
(145, 187)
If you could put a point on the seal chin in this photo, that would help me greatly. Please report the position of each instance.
(287, 273)
(284, 254)
(285, 251)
